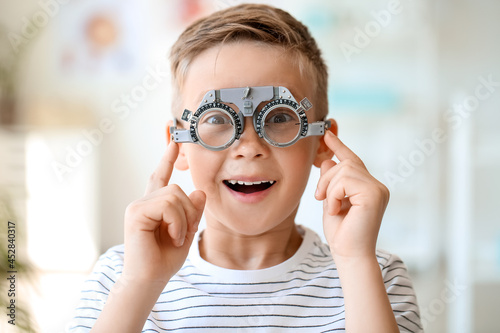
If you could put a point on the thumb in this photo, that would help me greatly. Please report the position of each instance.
(198, 198)
(327, 165)
(323, 181)
(325, 207)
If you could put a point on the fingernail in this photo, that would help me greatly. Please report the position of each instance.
(181, 241)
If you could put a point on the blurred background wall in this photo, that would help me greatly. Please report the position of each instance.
(414, 86)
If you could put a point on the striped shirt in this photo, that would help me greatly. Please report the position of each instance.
(302, 294)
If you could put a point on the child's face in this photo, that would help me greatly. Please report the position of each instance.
(255, 209)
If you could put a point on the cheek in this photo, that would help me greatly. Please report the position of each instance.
(204, 166)
(300, 162)
(302, 153)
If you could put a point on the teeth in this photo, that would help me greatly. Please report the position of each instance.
(240, 182)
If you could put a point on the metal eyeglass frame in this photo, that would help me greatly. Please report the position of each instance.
(247, 100)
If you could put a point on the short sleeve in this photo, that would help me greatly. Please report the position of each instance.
(400, 291)
(96, 289)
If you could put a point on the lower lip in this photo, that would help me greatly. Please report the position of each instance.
(250, 197)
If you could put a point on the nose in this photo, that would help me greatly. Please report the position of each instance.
(250, 145)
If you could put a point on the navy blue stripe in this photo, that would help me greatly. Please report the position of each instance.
(111, 259)
(82, 317)
(327, 260)
(274, 291)
(99, 283)
(406, 328)
(243, 327)
(396, 276)
(411, 303)
(183, 298)
(322, 271)
(80, 326)
(399, 285)
(250, 305)
(191, 274)
(110, 279)
(92, 299)
(411, 321)
(406, 311)
(318, 266)
(249, 316)
(312, 296)
(259, 283)
(110, 267)
(88, 308)
(95, 291)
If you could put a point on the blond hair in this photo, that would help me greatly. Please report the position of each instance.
(251, 22)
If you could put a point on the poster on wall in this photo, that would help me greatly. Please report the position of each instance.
(99, 39)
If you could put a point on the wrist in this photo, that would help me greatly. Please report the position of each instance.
(131, 300)
(358, 258)
(145, 285)
(366, 253)
(366, 302)
(356, 264)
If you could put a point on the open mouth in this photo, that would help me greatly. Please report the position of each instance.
(248, 187)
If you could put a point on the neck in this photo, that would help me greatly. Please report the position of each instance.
(226, 248)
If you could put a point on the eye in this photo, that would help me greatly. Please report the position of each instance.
(216, 118)
(280, 116)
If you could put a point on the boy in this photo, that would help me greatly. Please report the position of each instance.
(247, 78)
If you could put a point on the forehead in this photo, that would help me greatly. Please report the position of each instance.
(240, 65)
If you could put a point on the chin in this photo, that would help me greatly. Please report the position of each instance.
(248, 224)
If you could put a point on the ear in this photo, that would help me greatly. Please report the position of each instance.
(324, 153)
(181, 161)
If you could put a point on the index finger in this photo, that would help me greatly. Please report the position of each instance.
(161, 176)
(340, 149)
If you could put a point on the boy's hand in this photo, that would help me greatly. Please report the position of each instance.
(160, 227)
(353, 202)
